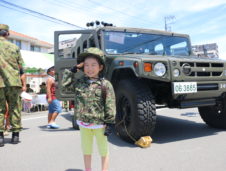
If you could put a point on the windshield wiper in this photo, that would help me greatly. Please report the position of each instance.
(125, 53)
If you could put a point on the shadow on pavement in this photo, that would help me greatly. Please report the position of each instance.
(7, 140)
(67, 116)
(173, 129)
(170, 129)
(73, 170)
(43, 128)
(114, 139)
(24, 129)
(167, 130)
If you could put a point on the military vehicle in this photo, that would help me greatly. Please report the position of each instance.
(149, 69)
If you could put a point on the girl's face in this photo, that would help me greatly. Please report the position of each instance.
(92, 67)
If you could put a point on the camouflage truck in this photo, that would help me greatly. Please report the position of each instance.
(149, 69)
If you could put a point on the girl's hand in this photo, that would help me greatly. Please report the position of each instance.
(80, 65)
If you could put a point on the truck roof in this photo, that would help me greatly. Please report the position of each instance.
(142, 30)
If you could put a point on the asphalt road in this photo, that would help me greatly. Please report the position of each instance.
(182, 142)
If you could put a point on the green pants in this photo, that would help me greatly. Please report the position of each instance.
(87, 141)
(11, 95)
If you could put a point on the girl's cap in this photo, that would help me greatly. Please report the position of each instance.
(92, 51)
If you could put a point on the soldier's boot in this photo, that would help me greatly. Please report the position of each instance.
(15, 138)
(1, 139)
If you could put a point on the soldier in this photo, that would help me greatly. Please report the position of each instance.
(29, 89)
(94, 104)
(42, 88)
(12, 78)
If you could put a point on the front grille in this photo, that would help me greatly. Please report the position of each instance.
(206, 87)
(202, 69)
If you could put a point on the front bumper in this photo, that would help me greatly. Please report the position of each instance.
(205, 90)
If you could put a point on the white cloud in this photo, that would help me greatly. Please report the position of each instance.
(193, 5)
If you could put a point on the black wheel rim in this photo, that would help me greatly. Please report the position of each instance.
(218, 110)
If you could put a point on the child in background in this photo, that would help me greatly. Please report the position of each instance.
(95, 104)
(54, 104)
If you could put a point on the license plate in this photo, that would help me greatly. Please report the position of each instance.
(184, 87)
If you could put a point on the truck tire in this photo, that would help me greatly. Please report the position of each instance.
(136, 111)
(214, 116)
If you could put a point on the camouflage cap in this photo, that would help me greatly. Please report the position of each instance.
(92, 52)
(4, 27)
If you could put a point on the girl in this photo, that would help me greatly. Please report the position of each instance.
(94, 104)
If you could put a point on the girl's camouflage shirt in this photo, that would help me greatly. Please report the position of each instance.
(90, 104)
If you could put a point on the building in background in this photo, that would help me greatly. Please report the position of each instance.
(206, 50)
(65, 48)
(25, 42)
(35, 55)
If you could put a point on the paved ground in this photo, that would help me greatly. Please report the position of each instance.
(182, 142)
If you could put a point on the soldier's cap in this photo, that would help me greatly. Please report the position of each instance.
(4, 27)
(49, 69)
(92, 52)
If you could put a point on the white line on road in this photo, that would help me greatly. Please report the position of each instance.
(34, 118)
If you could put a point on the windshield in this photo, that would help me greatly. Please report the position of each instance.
(143, 43)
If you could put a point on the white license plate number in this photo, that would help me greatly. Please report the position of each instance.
(184, 87)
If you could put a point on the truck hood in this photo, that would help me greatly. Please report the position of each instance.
(195, 58)
(170, 58)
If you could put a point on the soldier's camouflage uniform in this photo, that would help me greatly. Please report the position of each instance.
(10, 84)
(90, 105)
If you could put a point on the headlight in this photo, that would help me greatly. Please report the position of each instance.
(159, 69)
(176, 72)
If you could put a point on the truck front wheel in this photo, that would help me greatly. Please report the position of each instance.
(136, 112)
(214, 116)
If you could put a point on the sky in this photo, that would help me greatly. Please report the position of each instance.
(203, 20)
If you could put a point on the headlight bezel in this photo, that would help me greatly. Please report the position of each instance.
(159, 69)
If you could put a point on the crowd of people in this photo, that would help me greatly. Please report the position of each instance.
(94, 103)
(42, 87)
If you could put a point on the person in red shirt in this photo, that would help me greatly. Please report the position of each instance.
(54, 104)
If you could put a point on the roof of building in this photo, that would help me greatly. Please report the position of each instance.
(33, 40)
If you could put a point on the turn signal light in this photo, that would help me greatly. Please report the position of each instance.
(135, 64)
(147, 67)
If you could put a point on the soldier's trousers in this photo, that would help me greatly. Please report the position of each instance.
(11, 95)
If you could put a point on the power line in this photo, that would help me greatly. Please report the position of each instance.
(134, 17)
(52, 19)
(75, 5)
(28, 13)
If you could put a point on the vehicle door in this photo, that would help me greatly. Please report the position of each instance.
(67, 46)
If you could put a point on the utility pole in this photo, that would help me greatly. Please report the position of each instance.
(170, 19)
